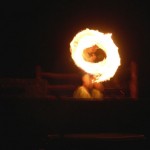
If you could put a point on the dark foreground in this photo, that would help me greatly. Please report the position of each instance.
(43, 124)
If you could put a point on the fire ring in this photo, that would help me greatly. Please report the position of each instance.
(88, 39)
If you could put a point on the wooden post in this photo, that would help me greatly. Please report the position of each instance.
(134, 81)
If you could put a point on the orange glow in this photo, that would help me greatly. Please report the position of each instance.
(88, 39)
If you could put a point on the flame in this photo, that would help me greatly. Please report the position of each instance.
(102, 70)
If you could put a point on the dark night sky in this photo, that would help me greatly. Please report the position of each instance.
(40, 33)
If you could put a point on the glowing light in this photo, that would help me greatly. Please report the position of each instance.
(88, 39)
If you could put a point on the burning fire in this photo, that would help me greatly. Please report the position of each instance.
(84, 49)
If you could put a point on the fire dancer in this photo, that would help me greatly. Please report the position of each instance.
(89, 89)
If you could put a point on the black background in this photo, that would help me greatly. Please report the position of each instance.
(39, 33)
